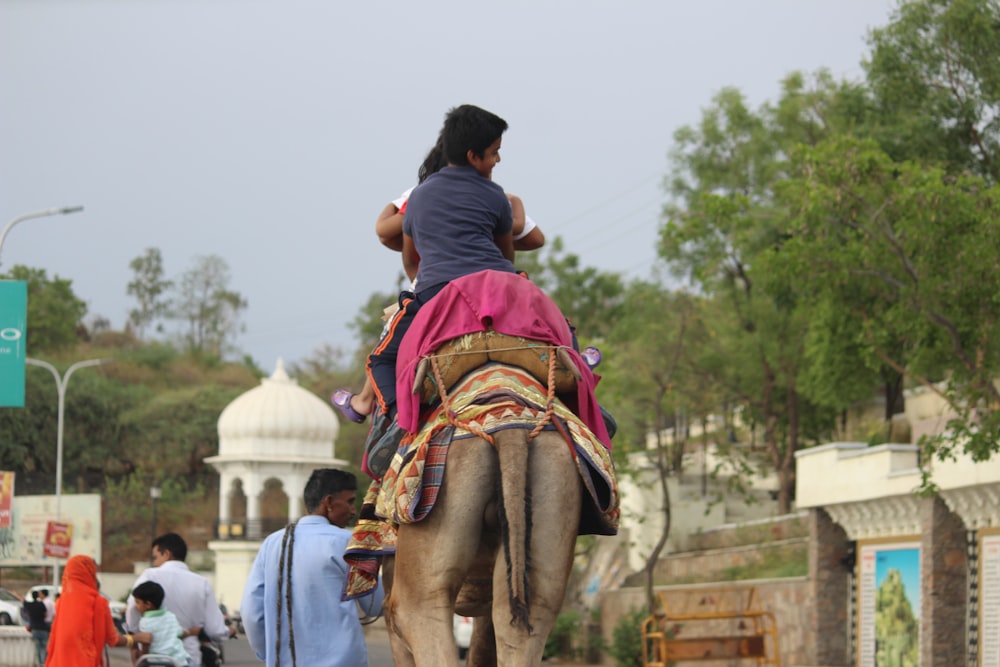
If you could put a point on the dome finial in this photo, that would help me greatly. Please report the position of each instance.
(279, 374)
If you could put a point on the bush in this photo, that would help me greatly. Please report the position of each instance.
(626, 639)
(560, 640)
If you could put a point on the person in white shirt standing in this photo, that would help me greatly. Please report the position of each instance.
(50, 606)
(188, 596)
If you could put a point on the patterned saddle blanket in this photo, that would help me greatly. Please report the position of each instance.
(494, 397)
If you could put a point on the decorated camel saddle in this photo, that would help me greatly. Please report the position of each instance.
(491, 351)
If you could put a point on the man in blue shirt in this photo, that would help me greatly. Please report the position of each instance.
(292, 609)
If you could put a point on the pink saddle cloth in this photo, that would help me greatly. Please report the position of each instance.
(507, 303)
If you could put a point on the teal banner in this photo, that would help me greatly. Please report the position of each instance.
(13, 334)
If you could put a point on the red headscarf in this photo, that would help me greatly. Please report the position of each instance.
(82, 625)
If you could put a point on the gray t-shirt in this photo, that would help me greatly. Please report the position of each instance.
(452, 218)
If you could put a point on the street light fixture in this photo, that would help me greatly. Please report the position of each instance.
(61, 383)
(36, 214)
(154, 493)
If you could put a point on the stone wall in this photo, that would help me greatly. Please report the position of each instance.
(943, 569)
(716, 564)
(831, 559)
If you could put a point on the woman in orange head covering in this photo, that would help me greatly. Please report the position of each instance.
(82, 626)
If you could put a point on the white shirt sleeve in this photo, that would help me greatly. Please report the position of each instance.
(529, 224)
(401, 199)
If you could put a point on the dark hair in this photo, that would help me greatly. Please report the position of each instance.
(34, 595)
(327, 482)
(434, 162)
(149, 591)
(469, 128)
(173, 543)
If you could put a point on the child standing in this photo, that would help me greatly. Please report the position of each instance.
(161, 623)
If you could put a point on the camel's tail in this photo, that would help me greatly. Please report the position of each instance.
(515, 519)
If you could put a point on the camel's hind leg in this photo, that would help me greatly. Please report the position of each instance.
(554, 507)
(433, 556)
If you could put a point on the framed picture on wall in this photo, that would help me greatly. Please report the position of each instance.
(888, 581)
(989, 597)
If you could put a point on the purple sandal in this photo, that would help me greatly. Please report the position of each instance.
(341, 400)
(591, 356)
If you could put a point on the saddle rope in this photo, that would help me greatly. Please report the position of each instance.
(475, 428)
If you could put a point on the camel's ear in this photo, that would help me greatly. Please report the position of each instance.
(568, 362)
(418, 381)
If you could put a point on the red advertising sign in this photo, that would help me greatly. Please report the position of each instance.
(58, 539)
(6, 497)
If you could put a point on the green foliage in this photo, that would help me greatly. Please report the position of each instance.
(590, 298)
(560, 642)
(724, 234)
(54, 311)
(626, 639)
(904, 251)
(128, 513)
(208, 308)
(935, 75)
(177, 428)
(368, 323)
(148, 286)
(772, 563)
(91, 432)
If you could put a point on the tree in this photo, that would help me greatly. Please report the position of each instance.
(55, 314)
(148, 286)
(722, 234)
(650, 340)
(590, 298)
(209, 308)
(910, 250)
(91, 434)
(935, 77)
(178, 428)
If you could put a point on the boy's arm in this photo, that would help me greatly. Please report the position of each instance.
(389, 227)
(517, 211)
(411, 260)
(533, 240)
(506, 244)
(527, 235)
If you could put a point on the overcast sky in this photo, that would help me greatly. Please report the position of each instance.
(272, 132)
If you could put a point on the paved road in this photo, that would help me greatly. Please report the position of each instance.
(238, 653)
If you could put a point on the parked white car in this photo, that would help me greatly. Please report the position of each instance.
(10, 608)
(117, 607)
(462, 627)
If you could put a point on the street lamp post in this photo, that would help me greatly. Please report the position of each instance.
(37, 214)
(61, 383)
(154, 493)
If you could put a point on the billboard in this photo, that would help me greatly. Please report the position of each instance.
(13, 333)
(989, 601)
(58, 539)
(24, 543)
(6, 497)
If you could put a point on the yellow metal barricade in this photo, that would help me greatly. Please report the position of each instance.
(710, 624)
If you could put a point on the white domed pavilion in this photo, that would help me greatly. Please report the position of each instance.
(271, 438)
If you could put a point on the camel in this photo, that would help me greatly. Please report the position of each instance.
(495, 539)
(498, 545)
